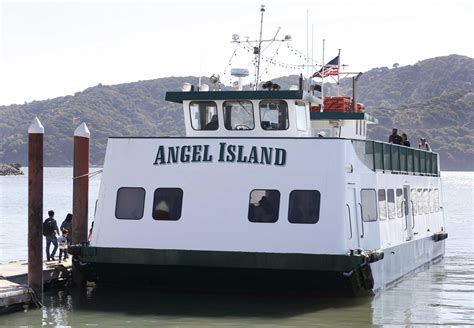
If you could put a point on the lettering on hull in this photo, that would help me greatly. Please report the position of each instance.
(226, 153)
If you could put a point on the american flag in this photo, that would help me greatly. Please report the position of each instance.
(330, 69)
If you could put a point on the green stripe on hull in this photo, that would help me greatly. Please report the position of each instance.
(251, 260)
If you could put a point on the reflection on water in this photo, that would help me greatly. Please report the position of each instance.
(439, 294)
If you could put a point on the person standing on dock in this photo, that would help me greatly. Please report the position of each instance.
(50, 228)
(67, 225)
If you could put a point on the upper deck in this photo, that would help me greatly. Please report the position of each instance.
(277, 114)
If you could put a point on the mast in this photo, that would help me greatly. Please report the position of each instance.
(338, 71)
(322, 80)
(257, 78)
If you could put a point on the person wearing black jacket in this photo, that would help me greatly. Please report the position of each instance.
(50, 229)
(395, 137)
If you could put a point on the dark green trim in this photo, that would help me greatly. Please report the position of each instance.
(322, 116)
(221, 259)
(179, 97)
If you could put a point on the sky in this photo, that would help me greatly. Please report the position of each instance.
(56, 48)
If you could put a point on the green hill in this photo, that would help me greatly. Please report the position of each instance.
(433, 98)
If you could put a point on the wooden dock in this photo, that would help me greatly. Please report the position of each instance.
(14, 290)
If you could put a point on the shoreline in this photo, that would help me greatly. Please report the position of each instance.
(10, 169)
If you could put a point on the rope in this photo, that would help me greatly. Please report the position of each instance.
(90, 174)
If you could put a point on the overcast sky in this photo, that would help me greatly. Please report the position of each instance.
(55, 48)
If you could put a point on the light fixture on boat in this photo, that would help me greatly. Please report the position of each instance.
(204, 87)
(287, 37)
(186, 87)
(270, 86)
(349, 168)
(235, 37)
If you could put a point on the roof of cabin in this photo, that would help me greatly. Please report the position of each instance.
(180, 96)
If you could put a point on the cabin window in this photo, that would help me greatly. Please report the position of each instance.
(130, 203)
(238, 115)
(264, 206)
(167, 204)
(357, 127)
(382, 204)
(304, 206)
(419, 201)
(430, 200)
(274, 115)
(414, 198)
(426, 208)
(369, 205)
(399, 199)
(391, 203)
(300, 116)
(436, 200)
(204, 115)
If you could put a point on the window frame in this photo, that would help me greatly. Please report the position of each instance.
(287, 113)
(278, 207)
(238, 101)
(318, 205)
(376, 205)
(143, 205)
(191, 117)
(385, 217)
(154, 198)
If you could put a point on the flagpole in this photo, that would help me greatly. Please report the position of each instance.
(338, 72)
(322, 81)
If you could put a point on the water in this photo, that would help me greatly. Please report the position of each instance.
(440, 294)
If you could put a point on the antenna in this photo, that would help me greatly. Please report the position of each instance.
(257, 78)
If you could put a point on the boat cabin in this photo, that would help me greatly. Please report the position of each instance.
(276, 114)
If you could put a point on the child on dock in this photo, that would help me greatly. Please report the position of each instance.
(62, 241)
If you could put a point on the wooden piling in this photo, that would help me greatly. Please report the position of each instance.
(80, 192)
(35, 207)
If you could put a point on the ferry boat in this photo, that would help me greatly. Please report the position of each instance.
(265, 192)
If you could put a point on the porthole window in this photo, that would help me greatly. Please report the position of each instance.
(264, 206)
(130, 203)
(304, 206)
(167, 204)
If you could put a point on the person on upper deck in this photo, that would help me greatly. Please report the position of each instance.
(395, 137)
(405, 141)
(424, 145)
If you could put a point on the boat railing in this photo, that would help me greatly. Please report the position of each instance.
(396, 159)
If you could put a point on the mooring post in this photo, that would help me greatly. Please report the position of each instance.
(35, 207)
(80, 193)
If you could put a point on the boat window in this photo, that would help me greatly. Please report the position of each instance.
(419, 201)
(369, 205)
(426, 208)
(167, 204)
(382, 204)
(274, 115)
(304, 206)
(391, 203)
(203, 115)
(400, 208)
(264, 205)
(436, 200)
(238, 115)
(300, 115)
(130, 203)
(414, 197)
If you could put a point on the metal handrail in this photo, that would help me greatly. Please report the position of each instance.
(350, 219)
(362, 220)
